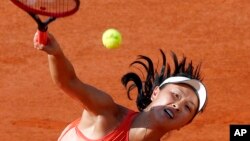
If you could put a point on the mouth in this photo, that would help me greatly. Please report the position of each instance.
(169, 113)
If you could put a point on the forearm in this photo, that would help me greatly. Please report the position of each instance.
(61, 70)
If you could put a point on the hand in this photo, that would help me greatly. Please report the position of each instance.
(52, 47)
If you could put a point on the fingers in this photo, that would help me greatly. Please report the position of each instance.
(37, 45)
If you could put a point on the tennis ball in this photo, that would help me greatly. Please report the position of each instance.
(111, 38)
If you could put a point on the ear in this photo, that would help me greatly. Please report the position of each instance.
(155, 93)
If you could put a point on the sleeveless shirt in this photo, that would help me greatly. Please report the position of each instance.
(120, 133)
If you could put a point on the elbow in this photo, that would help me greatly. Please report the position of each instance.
(64, 82)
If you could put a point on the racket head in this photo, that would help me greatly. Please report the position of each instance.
(51, 8)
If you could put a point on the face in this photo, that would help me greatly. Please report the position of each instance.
(174, 106)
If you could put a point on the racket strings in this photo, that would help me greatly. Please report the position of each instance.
(53, 7)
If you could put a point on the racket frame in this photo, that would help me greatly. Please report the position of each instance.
(43, 26)
(44, 13)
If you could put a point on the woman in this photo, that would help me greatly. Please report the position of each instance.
(166, 101)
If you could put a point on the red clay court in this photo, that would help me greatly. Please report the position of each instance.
(214, 32)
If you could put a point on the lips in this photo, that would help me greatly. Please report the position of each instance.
(169, 113)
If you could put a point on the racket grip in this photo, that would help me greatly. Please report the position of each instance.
(42, 37)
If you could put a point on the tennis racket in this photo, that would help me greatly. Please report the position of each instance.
(52, 9)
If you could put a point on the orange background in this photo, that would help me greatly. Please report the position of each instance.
(216, 32)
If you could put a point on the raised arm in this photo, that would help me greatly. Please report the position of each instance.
(63, 74)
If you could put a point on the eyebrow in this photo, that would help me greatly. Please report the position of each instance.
(180, 90)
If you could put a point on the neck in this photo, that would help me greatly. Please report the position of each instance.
(149, 130)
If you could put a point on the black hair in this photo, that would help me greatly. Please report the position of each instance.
(155, 78)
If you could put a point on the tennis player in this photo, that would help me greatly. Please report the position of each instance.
(167, 100)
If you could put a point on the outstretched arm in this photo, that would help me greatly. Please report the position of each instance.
(63, 74)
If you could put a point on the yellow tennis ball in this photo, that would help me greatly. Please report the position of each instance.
(111, 38)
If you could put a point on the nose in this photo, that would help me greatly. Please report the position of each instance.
(176, 107)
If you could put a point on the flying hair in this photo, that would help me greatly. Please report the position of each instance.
(153, 78)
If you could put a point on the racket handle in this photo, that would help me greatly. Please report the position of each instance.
(42, 37)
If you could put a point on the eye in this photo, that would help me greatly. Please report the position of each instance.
(188, 108)
(176, 93)
(177, 96)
